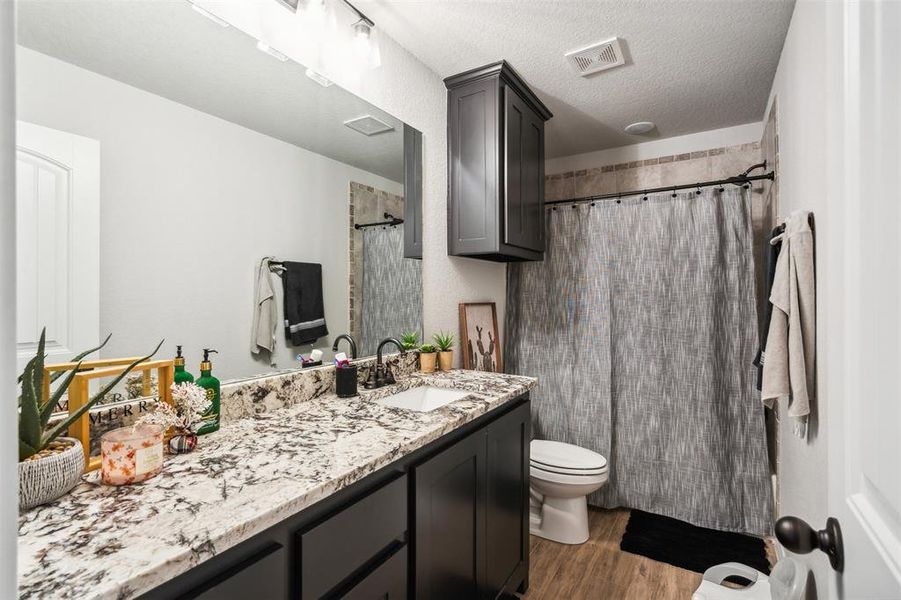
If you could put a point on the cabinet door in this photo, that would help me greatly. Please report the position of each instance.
(412, 192)
(450, 520)
(473, 128)
(523, 174)
(507, 505)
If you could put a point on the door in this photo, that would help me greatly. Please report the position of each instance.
(524, 174)
(473, 128)
(450, 518)
(57, 242)
(507, 502)
(864, 357)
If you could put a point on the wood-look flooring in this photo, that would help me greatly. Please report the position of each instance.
(599, 570)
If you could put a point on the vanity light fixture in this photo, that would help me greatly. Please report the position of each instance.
(202, 11)
(364, 47)
(264, 47)
(319, 78)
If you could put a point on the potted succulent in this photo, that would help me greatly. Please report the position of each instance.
(410, 340)
(445, 344)
(49, 464)
(427, 357)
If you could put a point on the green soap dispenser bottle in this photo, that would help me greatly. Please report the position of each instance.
(181, 375)
(211, 385)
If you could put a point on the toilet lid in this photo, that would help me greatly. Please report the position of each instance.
(557, 456)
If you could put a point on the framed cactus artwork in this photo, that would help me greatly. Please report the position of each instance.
(480, 343)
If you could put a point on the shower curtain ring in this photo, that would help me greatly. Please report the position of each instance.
(699, 190)
(674, 192)
(645, 199)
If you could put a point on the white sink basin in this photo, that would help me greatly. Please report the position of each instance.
(422, 399)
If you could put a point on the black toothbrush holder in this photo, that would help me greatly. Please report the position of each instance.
(346, 381)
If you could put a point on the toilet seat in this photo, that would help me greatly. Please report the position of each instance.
(558, 457)
(558, 462)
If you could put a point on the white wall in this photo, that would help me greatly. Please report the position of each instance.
(800, 88)
(9, 479)
(704, 140)
(189, 205)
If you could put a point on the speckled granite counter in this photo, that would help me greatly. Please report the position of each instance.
(107, 542)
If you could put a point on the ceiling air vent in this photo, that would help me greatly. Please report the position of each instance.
(368, 125)
(596, 57)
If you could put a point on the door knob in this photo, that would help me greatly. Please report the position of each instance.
(799, 537)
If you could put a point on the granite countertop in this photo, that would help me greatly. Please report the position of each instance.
(118, 542)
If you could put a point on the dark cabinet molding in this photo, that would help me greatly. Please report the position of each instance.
(495, 165)
(412, 192)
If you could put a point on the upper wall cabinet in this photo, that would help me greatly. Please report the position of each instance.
(496, 172)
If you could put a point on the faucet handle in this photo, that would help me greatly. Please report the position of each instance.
(372, 382)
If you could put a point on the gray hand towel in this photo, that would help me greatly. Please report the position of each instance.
(789, 368)
(265, 311)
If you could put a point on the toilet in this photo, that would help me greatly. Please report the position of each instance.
(561, 476)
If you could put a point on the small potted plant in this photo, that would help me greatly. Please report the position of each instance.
(410, 340)
(427, 357)
(49, 464)
(445, 344)
(184, 417)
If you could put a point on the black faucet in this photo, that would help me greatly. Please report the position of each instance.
(350, 340)
(382, 375)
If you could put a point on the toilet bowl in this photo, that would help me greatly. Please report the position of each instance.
(561, 476)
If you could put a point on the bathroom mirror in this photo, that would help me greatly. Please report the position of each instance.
(162, 154)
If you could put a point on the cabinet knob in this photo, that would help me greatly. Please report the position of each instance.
(799, 537)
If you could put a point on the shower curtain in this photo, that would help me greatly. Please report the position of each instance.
(641, 327)
(392, 288)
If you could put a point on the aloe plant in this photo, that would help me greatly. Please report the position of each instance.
(409, 340)
(444, 341)
(34, 416)
(426, 349)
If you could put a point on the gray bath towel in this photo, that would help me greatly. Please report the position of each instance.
(788, 371)
(265, 311)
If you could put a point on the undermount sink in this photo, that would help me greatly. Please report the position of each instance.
(423, 398)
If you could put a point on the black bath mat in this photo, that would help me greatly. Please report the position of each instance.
(689, 547)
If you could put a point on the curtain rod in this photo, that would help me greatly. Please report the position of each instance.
(392, 220)
(742, 179)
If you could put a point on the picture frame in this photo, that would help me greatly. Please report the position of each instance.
(479, 337)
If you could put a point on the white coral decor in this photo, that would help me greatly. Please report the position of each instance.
(190, 403)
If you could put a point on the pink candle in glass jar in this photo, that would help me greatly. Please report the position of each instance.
(131, 454)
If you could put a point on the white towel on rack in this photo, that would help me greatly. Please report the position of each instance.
(265, 311)
(789, 369)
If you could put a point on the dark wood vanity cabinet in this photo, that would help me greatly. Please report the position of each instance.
(472, 510)
(449, 520)
(495, 165)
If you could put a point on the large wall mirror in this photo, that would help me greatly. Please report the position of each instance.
(162, 156)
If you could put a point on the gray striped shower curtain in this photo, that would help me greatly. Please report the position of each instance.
(641, 327)
(392, 288)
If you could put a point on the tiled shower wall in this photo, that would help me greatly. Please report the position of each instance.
(367, 205)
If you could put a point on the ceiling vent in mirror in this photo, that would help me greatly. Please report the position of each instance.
(368, 125)
(596, 57)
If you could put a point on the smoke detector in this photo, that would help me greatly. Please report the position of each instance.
(368, 125)
(596, 57)
(639, 128)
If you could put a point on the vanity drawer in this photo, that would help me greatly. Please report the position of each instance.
(333, 550)
(387, 582)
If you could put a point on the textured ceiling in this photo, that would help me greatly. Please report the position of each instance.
(167, 49)
(691, 65)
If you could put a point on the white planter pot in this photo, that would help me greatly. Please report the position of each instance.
(46, 479)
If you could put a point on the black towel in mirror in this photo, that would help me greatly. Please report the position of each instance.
(304, 312)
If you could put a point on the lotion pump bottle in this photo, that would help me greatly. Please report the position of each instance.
(211, 385)
(181, 375)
